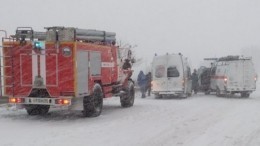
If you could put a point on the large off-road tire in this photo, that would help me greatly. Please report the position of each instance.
(37, 109)
(93, 104)
(127, 100)
(245, 94)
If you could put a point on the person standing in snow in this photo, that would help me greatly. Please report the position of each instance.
(195, 79)
(141, 81)
(148, 83)
(127, 65)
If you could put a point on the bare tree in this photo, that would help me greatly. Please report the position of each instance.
(126, 51)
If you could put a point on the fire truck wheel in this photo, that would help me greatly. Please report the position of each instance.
(93, 104)
(37, 109)
(127, 100)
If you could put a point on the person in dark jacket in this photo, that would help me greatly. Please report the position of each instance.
(127, 64)
(205, 79)
(195, 79)
(141, 81)
(148, 83)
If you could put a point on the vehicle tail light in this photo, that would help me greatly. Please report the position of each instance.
(62, 101)
(255, 78)
(16, 100)
(66, 101)
(225, 80)
(183, 82)
(12, 100)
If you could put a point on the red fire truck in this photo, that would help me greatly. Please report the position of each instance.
(64, 66)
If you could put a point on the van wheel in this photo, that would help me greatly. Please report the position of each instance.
(185, 95)
(218, 92)
(127, 100)
(37, 109)
(93, 104)
(245, 94)
(207, 92)
(158, 96)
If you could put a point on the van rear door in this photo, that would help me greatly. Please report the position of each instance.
(249, 73)
(174, 73)
(235, 74)
(241, 75)
(159, 74)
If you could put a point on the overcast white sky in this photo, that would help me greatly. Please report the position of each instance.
(196, 28)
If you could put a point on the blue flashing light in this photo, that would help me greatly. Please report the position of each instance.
(39, 45)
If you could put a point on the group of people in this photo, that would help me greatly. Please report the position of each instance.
(145, 83)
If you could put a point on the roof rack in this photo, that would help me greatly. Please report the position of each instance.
(94, 35)
(211, 59)
(60, 33)
(228, 58)
(232, 58)
(23, 33)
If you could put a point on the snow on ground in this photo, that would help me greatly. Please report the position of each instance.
(201, 120)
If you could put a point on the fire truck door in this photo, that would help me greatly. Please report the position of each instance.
(82, 72)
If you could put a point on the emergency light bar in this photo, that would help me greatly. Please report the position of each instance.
(40, 45)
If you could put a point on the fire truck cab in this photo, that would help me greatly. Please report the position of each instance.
(64, 66)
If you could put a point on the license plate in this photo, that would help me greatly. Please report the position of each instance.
(40, 100)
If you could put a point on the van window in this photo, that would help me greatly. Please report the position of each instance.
(159, 71)
(172, 72)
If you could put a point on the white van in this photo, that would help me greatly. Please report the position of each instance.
(233, 74)
(171, 76)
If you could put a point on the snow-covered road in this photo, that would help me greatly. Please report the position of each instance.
(201, 120)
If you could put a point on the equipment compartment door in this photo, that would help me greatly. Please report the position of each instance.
(27, 69)
(82, 72)
(95, 64)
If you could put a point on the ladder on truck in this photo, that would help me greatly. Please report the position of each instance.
(22, 34)
(6, 56)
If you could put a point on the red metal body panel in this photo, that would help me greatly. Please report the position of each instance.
(21, 66)
(109, 68)
(57, 69)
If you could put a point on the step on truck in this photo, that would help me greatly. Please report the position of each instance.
(64, 66)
